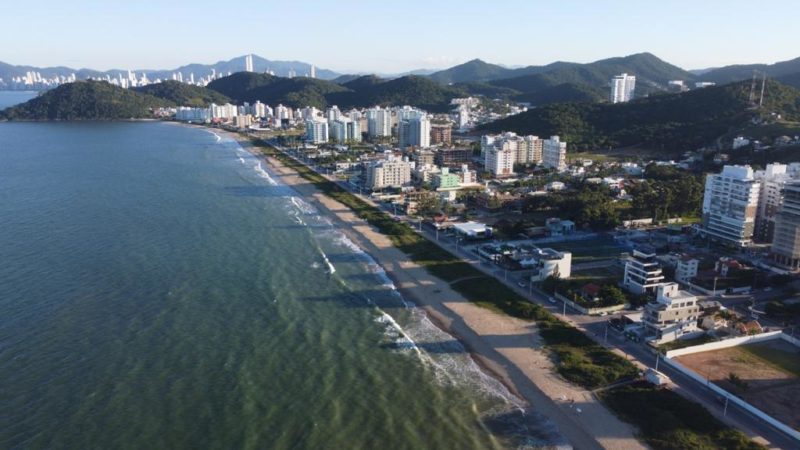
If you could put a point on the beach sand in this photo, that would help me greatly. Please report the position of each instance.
(506, 347)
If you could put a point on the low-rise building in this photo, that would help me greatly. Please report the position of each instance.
(672, 315)
(445, 180)
(390, 172)
(642, 271)
(547, 262)
(686, 269)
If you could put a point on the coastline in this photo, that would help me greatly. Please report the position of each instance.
(506, 348)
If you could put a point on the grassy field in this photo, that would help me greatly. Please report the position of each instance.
(782, 356)
(590, 250)
(667, 421)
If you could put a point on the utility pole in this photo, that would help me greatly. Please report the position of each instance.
(605, 338)
(725, 410)
(564, 312)
(658, 357)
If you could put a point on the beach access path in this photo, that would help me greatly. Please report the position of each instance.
(506, 347)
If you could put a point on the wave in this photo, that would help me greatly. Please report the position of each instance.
(264, 174)
(218, 137)
(302, 205)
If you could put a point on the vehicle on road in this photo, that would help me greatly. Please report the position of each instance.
(522, 284)
(551, 299)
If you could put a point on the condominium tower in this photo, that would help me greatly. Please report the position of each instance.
(622, 87)
(730, 204)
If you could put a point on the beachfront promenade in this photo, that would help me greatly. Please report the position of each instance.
(597, 329)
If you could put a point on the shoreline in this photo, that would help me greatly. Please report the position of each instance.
(505, 348)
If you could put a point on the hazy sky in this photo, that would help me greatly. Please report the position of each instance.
(394, 36)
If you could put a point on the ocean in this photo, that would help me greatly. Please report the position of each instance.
(159, 289)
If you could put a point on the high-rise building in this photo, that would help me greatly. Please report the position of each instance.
(379, 122)
(529, 150)
(414, 131)
(248, 63)
(499, 155)
(773, 178)
(313, 71)
(554, 154)
(730, 204)
(345, 130)
(786, 240)
(317, 131)
(453, 157)
(622, 87)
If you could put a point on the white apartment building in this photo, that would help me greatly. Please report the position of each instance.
(391, 172)
(248, 63)
(282, 112)
(259, 109)
(773, 179)
(675, 313)
(192, 114)
(642, 271)
(379, 122)
(317, 131)
(414, 131)
(554, 154)
(333, 113)
(226, 111)
(730, 205)
(786, 240)
(622, 87)
(686, 269)
(547, 262)
(499, 156)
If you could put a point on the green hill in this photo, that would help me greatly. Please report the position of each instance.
(562, 93)
(672, 123)
(739, 72)
(470, 72)
(183, 94)
(86, 100)
(296, 92)
(409, 90)
(652, 74)
(364, 91)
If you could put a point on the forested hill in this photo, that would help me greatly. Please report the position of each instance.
(672, 123)
(86, 100)
(364, 91)
(183, 94)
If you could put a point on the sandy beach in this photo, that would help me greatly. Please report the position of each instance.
(506, 347)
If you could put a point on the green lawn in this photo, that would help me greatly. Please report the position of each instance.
(788, 361)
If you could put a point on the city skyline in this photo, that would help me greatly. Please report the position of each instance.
(686, 34)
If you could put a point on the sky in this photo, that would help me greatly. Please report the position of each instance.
(394, 36)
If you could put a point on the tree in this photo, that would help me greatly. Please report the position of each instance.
(428, 205)
(611, 295)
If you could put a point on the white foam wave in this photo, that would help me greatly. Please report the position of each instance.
(218, 137)
(263, 174)
(302, 205)
(331, 269)
(241, 160)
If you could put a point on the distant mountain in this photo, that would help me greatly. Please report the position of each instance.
(792, 80)
(363, 91)
(86, 100)
(651, 74)
(729, 74)
(280, 68)
(471, 72)
(672, 123)
(183, 94)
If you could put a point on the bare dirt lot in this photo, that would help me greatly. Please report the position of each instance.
(768, 375)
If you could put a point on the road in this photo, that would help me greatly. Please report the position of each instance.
(597, 328)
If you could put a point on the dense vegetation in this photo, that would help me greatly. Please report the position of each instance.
(183, 94)
(667, 192)
(86, 100)
(671, 123)
(667, 421)
(589, 205)
(565, 92)
(296, 92)
(740, 72)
